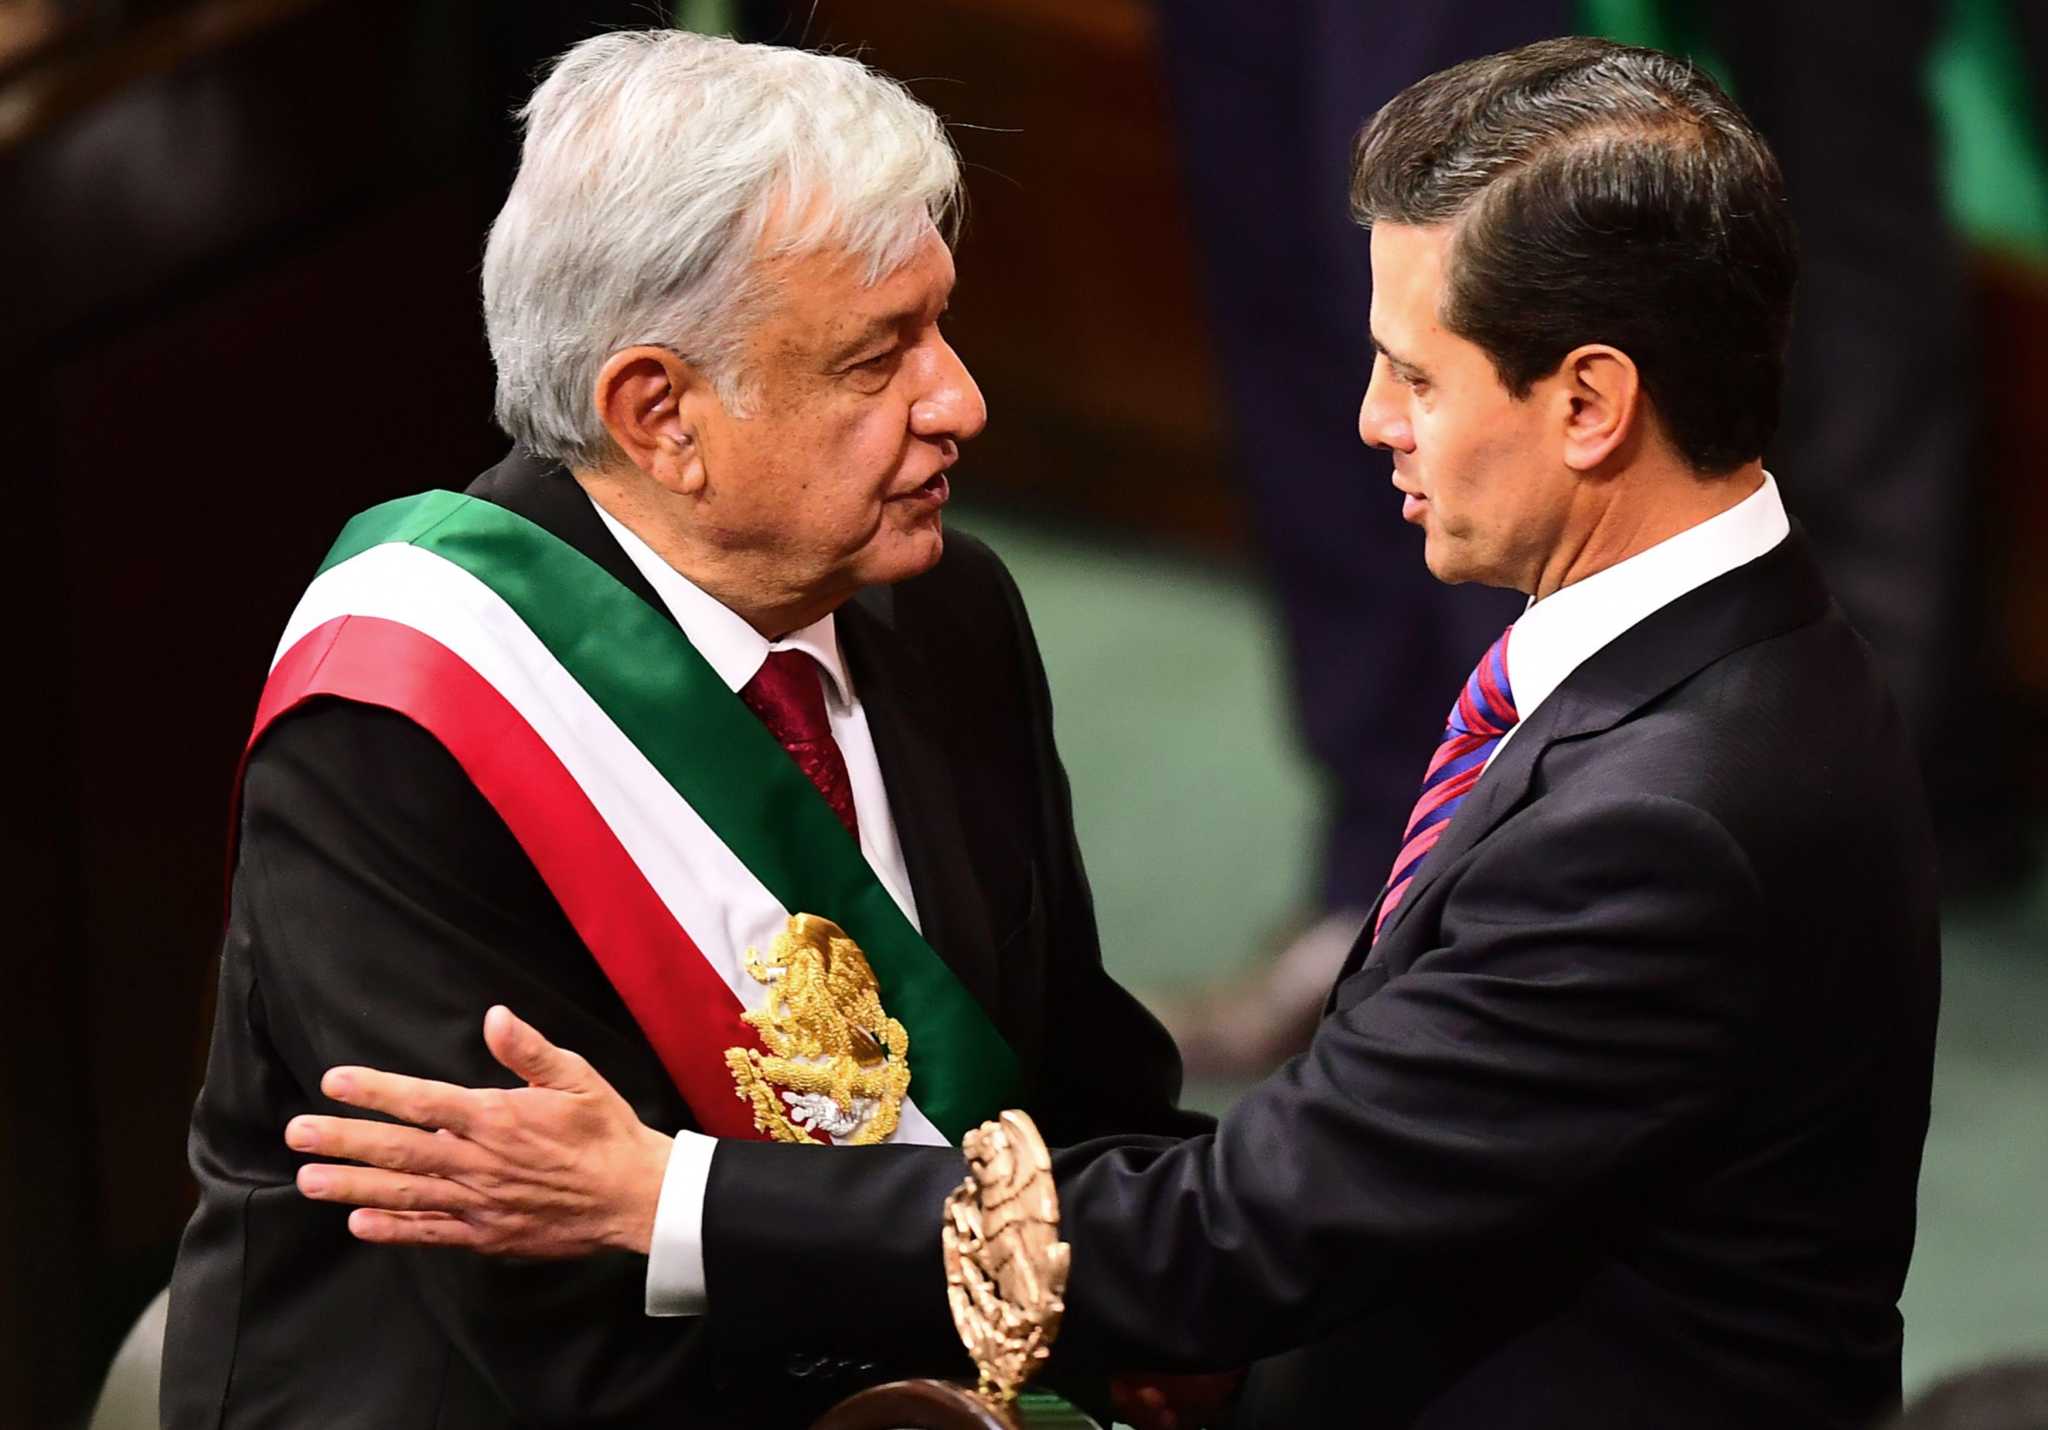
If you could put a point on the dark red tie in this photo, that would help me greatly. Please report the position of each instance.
(790, 699)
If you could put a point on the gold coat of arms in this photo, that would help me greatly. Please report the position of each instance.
(836, 1062)
(1006, 1267)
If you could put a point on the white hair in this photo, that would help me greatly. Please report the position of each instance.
(654, 162)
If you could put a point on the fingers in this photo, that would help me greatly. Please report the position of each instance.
(383, 1144)
(1143, 1405)
(418, 1100)
(413, 1229)
(390, 1191)
(519, 1046)
(1173, 1402)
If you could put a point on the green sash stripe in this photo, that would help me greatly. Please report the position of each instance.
(647, 676)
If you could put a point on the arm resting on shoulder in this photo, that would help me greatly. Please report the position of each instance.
(387, 908)
(1585, 1010)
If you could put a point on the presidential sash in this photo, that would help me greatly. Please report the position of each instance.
(698, 864)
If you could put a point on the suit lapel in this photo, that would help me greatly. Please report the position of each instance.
(900, 698)
(1775, 593)
(1499, 791)
(548, 496)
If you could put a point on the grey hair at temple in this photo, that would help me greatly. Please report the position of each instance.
(1601, 193)
(660, 169)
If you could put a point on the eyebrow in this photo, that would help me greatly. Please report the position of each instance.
(870, 333)
(1393, 357)
(882, 326)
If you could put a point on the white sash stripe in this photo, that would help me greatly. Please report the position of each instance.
(706, 888)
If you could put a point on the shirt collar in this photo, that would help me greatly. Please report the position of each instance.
(1558, 633)
(734, 649)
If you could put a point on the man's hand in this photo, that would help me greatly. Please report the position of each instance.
(1174, 1402)
(558, 1168)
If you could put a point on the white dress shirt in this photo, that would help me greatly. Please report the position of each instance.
(1554, 636)
(1552, 639)
(736, 651)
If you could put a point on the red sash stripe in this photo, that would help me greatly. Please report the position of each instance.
(688, 1013)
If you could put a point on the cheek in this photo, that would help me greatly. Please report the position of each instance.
(1484, 437)
(1444, 437)
(867, 450)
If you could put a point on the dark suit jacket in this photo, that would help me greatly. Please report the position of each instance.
(379, 906)
(1617, 1125)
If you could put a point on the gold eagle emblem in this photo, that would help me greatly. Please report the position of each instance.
(1006, 1267)
(836, 1062)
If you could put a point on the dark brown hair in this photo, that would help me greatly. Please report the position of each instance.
(1601, 193)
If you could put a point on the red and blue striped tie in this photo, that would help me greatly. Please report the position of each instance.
(1483, 714)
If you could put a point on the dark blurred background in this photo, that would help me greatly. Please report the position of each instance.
(239, 243)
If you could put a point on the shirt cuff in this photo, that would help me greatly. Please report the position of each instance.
(675, 1260)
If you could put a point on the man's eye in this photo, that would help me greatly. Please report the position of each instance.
(876, 363)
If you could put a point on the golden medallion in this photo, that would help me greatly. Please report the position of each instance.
(1006, 1267)
(836, 1062)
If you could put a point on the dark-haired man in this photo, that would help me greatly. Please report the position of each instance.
(1616, 1113)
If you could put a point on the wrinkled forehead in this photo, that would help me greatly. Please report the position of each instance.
(824, 297)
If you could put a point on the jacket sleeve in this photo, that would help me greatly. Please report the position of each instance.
(379, 908)
(1583, 1014)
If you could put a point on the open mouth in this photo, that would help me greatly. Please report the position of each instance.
(935, 490)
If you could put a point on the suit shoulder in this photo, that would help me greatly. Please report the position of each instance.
(349, 740)
(365, 783)
(1770, 709)
(968, 563)
(968, 590)
(1792, 744)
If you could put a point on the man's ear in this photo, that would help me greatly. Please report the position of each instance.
(1604, 404)
(652, 402)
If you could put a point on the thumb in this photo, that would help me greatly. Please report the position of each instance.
(518, 1045)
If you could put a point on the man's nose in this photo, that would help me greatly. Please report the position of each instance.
(952, 407)
(1382, 416)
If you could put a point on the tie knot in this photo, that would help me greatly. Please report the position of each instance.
(788, 697)
(1486, 706)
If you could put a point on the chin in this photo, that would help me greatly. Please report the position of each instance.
(909, 553)
(1442, 564)
(1456, 559)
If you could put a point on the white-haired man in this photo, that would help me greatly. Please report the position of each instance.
(594, 732)
(1616, 1112)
